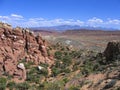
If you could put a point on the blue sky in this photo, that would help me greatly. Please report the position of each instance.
(35, 13)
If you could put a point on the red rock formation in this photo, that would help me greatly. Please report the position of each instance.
(17, 44)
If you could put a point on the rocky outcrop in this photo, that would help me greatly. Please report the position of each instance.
(17, 44)
(112, 52)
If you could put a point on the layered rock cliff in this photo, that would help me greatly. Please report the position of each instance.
(17, 44)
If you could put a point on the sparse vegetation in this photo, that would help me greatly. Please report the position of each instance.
(74, 88)
(71, 69)
(22, 86)
(51, 86)
(67, 61)
(3, 83)
(11, 85)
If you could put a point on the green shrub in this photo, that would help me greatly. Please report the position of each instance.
(43, 72)
(58, 55)
(33, 70)
(87, 67)
(51, 86)
(62, 49)
(3, 82)
(74, 88)
(65, 80)
(11, 85)
(76, 54)
(67, 60)
(28, 64)
(33, 78)
(55, 71)
(66, 70)
(58, 64)
(22, 86)
(33, 75)
(45, 65)
(41, 87)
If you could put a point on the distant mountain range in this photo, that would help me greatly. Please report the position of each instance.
(71, 27)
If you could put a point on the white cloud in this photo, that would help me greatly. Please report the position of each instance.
(11, 18)
(16, 16)
(66, 22)
(114, 21)
(44, 22)
(95, 20)
(19, 20)
(4, 17)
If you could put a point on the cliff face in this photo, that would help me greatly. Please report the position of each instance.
(17, 44)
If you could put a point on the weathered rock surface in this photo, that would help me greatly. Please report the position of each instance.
(112, 51)
(17, 44)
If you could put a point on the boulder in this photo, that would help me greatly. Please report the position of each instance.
(112, 51)
(40, 67)
(21, 66)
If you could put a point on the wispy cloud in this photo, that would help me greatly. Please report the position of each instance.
(16, 16)
(12, 17)
(19, 20)
(114, 21)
